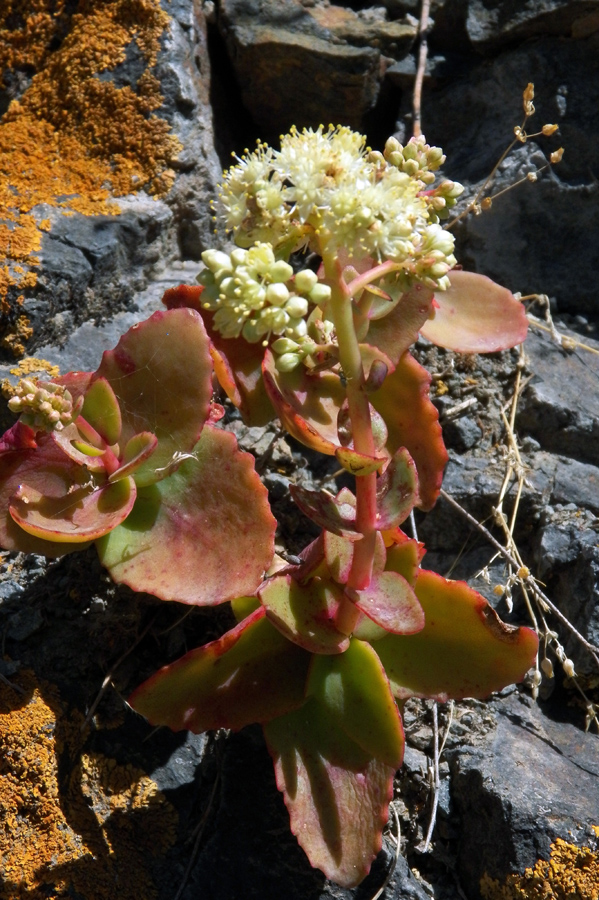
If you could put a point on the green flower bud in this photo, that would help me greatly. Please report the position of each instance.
(280, 271)
(288, 362)
(305, 281)
(296, 307)
(285, 345)
(320, 293)
(277, 294)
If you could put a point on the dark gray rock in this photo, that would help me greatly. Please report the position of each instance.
(462, 434)
(560, 406)
(491, 25)
(531, 780)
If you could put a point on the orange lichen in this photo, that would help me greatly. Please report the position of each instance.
(73, 823)
(572, 873)
(75, 140)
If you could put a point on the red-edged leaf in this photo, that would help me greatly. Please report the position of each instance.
(305, 613)
(359, 463)
(395, 333)
(413, 423)
(355, 690)
(56, 500)
(464, 649)
(251, 674)
(237, 363)
(101, 409)
(306, 403)
(404, 556)
(396, 490)
(46, 468)
(476, 316)
(337, 795)
(202, 536)
(18, 437)
(391, 603)
(161, 373)
(329, 512)
(339, 554)
(139, 448)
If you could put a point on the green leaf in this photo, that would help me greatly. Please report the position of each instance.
(202, 536)
(250, 674)
(413, 423)
(354, 689)
(161, 374)
(476, 316)
(305, 613)
(464, 649)
(337, 795)
(101, 409)
(139, 448)
(396, 332)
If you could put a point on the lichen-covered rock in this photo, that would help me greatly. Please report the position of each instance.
(98, 100)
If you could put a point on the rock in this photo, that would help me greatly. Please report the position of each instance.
(331, 82)
(560, 405)
(81, 234)
(462, 434)
(531, 780)
(492, 26)
(520, 241)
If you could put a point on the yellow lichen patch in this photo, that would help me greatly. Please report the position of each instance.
(29, 366)
(572, 873)
(75, 140)
(73, 824)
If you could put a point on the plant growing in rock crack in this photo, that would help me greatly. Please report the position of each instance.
(325, 652)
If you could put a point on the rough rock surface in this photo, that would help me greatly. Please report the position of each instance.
(515, 775)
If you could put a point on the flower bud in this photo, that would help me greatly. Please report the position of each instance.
(280, 271)
(305, 281)
(296, 307)
(277, 294)
(287, 362)
(320, 293)
(285, 345)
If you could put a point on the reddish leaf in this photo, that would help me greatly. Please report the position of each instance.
(405, 557)
(329, 512)
(464, 649)
(55, 477)
(359, 463)
(413, 423)
(161, 373)
(305, 613)
(306, 403)
(251, 674)
(391, 603)
(339, 553)
(396, 332)
(18, 437)
(202, 536)
(139, 448)
(337, 795)
(396, 491)
(476, 316)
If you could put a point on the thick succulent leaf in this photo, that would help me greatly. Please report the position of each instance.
(464, 649)
(305, 613)
(139, 448)
(337, 795)
(329, 512)
(339, 554)
(396, 332)
(250, 674)
(413, 423)
(82, 515)
(405, 558)
(202, 536)
(101, 409)
(18, 437)
(161, 373)
(79, 449)
(354, 688)
(306, 403)
(77, 383)
(476, 316)
(359, 463)
(390, 602)
(237, 363)
(396, 490)
(46, 468)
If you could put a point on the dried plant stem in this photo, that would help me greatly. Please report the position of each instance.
(438, 750)
(422, 57)
(392, 867)
(530, 581)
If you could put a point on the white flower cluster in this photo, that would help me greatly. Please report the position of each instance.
(43, 405)
(325, 190)
(255, 295)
